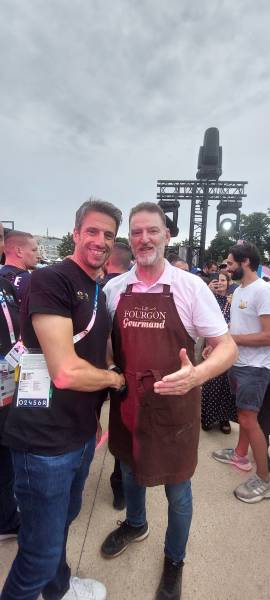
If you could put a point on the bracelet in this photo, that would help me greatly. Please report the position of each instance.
(115, 369)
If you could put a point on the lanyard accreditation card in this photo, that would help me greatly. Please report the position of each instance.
(34, 390)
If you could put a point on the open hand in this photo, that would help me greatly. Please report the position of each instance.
(180, 382)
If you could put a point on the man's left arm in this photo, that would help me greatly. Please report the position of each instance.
(223, 356)
(261, 338)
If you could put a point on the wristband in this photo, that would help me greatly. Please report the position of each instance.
(115, 369)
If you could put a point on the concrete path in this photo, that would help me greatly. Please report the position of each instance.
(228, 555)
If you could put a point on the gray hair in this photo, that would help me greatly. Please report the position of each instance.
(96, 205)
(151, 207)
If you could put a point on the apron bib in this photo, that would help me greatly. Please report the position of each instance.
(156, 435)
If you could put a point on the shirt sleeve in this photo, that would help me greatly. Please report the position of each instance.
(207, 317)
(263, 301)
(49, 294)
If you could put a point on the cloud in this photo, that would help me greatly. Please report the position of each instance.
(107, 97)
(97, 73)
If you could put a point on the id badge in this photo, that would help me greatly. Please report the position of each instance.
(34, 382)
(13, 357)
(7, 383)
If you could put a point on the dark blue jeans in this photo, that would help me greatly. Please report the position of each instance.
(9, 516)
(49, 493)
(179, 498)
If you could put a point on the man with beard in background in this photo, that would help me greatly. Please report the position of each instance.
(250, 375)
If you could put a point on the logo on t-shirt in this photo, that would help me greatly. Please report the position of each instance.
(82, 295)
(242, 304)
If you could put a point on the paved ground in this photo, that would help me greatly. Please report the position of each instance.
(228, 551)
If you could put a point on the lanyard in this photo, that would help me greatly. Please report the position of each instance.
(82, 334)
(8, 318)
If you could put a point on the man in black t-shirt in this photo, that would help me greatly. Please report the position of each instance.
(9, 332)
(65, 315)
(21, 252)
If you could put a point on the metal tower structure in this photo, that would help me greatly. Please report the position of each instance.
(199, 192)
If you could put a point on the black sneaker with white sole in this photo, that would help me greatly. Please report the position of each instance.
(117, 541)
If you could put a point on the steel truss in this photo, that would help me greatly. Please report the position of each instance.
(200, 191)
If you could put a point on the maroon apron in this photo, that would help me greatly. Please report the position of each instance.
(156, 435)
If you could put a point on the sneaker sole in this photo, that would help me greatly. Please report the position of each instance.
(230, 462)
(138, 539)
(252, 500)
(8, 536)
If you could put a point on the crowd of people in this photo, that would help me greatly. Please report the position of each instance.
(82, 329)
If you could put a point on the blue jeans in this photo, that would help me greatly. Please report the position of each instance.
(49, 493)
(9, 516)
(179, 498)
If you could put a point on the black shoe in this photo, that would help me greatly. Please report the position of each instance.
(225, 427)
(207, 427)
(171, 581)
(8, 535)
(117, 541)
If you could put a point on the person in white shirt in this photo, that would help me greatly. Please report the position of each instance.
(250, 375)
(158, 311)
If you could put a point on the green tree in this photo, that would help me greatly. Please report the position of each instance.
(255, 228)
(219, 247)
(66, 246)
(124, 240)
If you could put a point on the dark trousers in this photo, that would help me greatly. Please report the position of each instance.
(264, 416)
(9, 516)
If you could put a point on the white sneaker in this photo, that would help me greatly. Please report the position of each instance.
(85, 589)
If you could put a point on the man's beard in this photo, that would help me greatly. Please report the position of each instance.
(150, 259)
(238, 274)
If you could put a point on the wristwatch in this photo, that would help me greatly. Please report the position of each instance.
(123, 388)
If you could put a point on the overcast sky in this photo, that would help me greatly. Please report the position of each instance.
(105, 97)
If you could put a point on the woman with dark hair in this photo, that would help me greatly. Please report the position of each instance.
(218, 404)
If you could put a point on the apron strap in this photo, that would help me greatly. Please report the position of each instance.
(128, 291)
(166, 291)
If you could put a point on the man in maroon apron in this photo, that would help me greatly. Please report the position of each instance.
(158, 311)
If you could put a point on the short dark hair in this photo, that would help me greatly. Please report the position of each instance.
(121, 255)
(210, 263)
(15, 235)
(173, 258)
(96, 205)
(151, 207)
(243, 250)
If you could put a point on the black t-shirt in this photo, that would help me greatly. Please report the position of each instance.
(66, 290)
(8, 294)
(18, 277)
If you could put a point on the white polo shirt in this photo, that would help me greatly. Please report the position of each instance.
(195, 303)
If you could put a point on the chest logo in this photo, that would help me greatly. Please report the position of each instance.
(144, 317)
(242, 304)
(82, 295)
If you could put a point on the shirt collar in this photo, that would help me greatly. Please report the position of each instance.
(164, 279)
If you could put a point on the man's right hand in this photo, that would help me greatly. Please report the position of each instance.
(118, 381)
